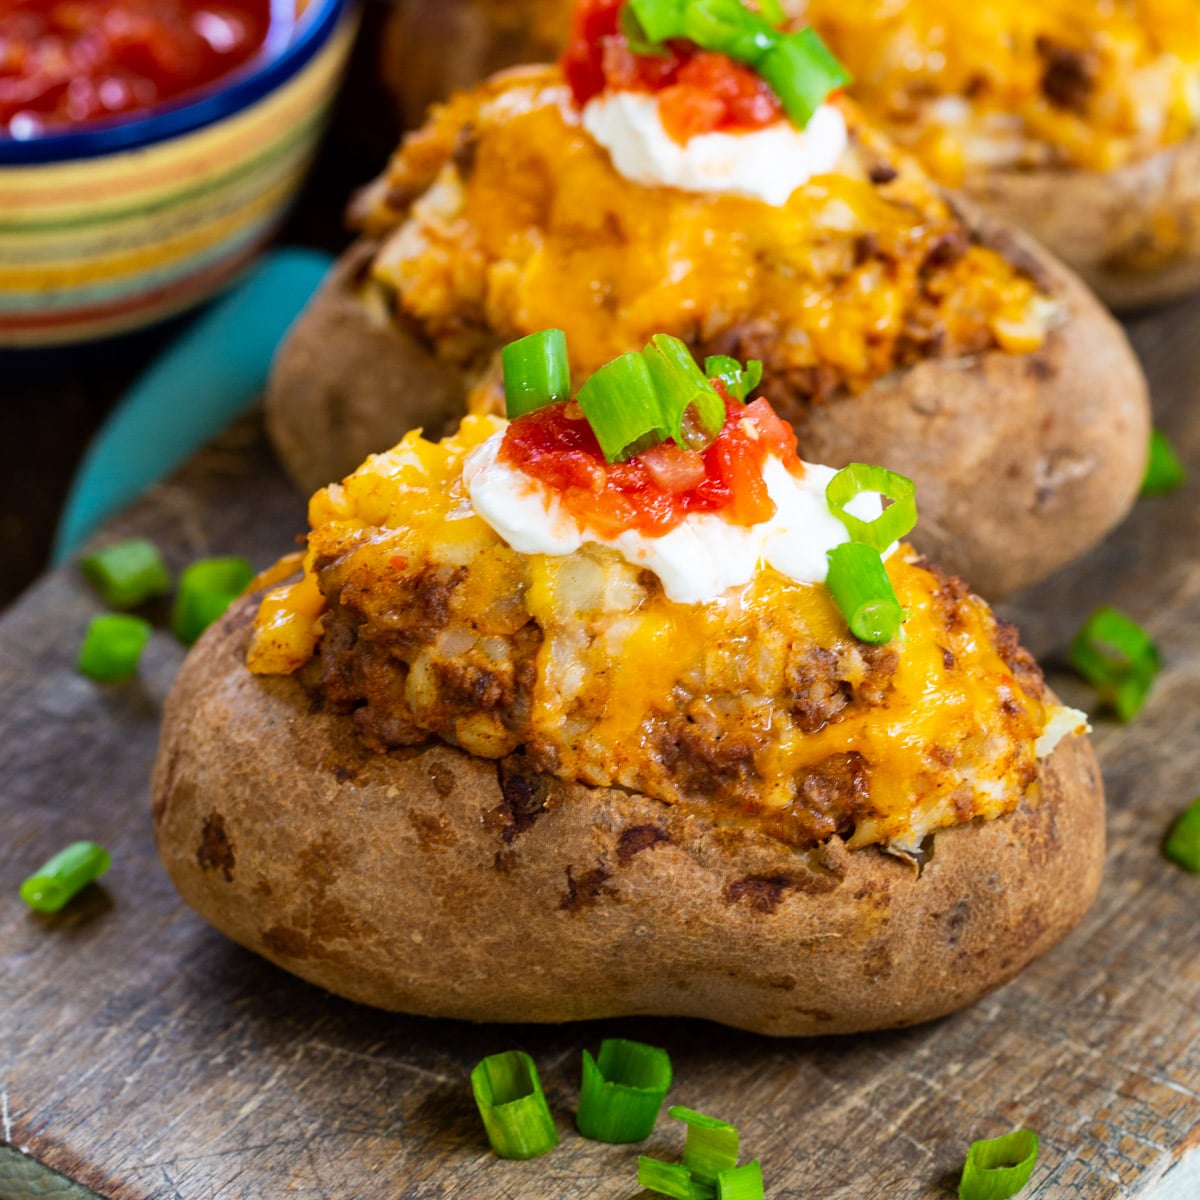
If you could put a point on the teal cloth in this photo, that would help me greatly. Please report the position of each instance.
(212, 373)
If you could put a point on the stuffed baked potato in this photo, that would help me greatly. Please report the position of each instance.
(1075, 120)
(894, 327)
(539, 736)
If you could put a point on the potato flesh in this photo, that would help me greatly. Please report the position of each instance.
(502, 217)
(759, 707)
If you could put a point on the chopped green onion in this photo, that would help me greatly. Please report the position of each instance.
(672, 1179)
(1182, 845)
(64, 876)
(513, 1107)
(622, 1091)
(639, 400)
(772, 11)
(536, 372)
(206, 590)
(798, 66)
(636, 38)
(999, 1167)
(893, 523)
(692, 411)
(741, 1183)
(739, 381)
(621, 406)
(1164, 471)
(127, 573)
(863, 591)
(1118, 658)
(712, 1145)
(112, 647)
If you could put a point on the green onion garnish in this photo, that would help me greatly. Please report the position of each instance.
(672, 1179)
(739, 381)
(639, 400)
(513, 1106)
(128, 573)
(112, 647)
(536, 372)
(863, 591)
(999, 1167)
(692, 410)
(1118, 658)
(1164, 471)
(64, 876)
(893, 523)
(1182, 845)
(712, 1145)
(206, 590)
(741, 1183)
(797, 66)
(622, 1091)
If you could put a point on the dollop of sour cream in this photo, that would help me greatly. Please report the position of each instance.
(765, 164)
(701, 558)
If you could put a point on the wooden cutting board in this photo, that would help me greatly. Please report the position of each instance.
(144, 1056)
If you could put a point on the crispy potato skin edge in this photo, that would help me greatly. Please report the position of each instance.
(406, 882)
(1107, 225)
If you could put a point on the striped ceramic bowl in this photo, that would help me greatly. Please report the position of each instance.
(106, 230)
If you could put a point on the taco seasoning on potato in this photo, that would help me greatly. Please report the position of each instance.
(620, 707)
(706, 178)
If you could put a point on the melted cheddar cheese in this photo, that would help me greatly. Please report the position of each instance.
(503, 216)
(1020, 83)
(757, 707)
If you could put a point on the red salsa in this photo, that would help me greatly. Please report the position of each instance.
(698, 91)
(64, 63)
(655, 490)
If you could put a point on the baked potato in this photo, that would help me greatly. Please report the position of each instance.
(1073, 120)
(444, 775)
(893, 327)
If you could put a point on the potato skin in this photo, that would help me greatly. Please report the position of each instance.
(1022, 462)
(1133, 233)
(382, 877)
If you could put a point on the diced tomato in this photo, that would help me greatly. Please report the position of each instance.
(699, 92)
(654, 491)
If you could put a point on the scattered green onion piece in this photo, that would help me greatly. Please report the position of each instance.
(1182, 845)
(726, 27)
(1118, 658)
(999, 1167)
(863, 591)
(692, 410)
(893, 523)
(112, 647)
(636, 38)
(1164, 471)
(712, 1145)
(64, 876)
(741, 1183)
(536, 372)
(622, 408)
(622, 1091)
(661, 20)
(801, 71)
(127, 573)
(672, 1179)
(206, 590)
(513, 1106)
(739, 381)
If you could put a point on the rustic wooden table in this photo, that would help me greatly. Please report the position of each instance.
(144, 1057)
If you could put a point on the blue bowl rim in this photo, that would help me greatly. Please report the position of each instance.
(233, 95)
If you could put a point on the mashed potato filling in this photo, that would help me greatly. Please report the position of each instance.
(503, 216)
(1021, 83)
(416, 618)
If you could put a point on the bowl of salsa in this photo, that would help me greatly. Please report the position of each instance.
(148, 150)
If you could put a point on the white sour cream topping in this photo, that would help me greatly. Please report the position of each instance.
(766, 164)
(1062, 721)
(703, 556)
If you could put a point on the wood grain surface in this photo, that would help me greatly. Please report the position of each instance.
(144, 1056)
